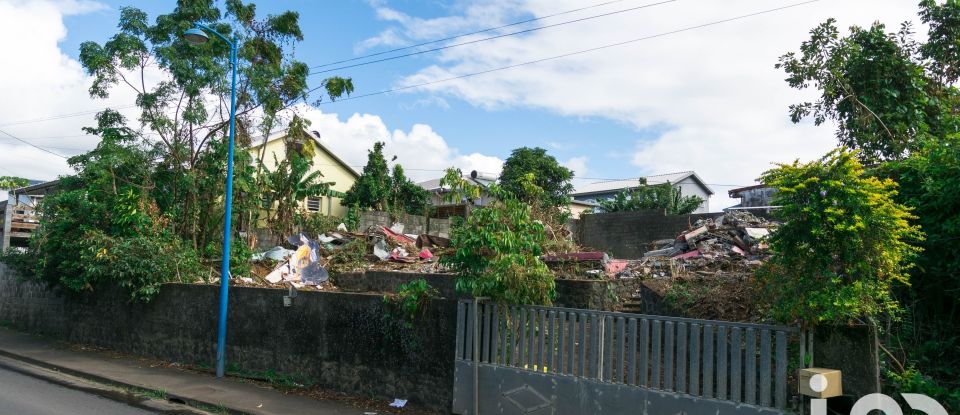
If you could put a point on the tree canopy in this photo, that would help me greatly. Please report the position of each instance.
(895, 100)
(552, 179)
(379, 189)
(844, 241)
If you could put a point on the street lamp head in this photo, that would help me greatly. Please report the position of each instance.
(195, 36)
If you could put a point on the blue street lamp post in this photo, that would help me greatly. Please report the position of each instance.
(197, 35)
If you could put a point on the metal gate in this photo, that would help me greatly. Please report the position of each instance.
(545, 360)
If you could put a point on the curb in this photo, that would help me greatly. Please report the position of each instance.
(172, 398)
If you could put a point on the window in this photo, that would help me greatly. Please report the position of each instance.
(313, 204)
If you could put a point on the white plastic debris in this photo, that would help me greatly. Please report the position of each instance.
(380, 250)
(397, 228)
(399, 403)
(341, 227)
(277, 274)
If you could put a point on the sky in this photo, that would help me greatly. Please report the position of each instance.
(707, 99)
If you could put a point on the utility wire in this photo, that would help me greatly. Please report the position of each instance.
(78, 114)
(61, 116)
(32, 145)
(470, 42)
(662, 34)
(465, 34)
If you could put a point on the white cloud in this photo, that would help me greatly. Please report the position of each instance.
(470, 17)
(388, 37)
(39, 81)
(578, 165)
(716, 89)
(423, 153)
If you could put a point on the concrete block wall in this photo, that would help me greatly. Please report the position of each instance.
(338, 340)
(412, 224)
(629, 234)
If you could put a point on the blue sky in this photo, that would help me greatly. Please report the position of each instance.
(332, 31)
(707, 100)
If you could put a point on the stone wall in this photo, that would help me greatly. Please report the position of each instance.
(339, 340)
(587, 294)
(412, 224)
(629, 234)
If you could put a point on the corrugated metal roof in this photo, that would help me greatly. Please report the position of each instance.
(618, 185)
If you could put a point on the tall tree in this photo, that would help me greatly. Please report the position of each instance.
(372, 189)
(378, 189)
(896, 100)
(548, 175)
(871, 84)
(186, 113)
(406, 195)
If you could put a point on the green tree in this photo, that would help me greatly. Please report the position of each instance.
(407, 196)
(664, 196)
(457, 189)
(372, 190)
(378, 189)
(498, 252)
(12, 182)
(102, 226)
(871, 84)
(897, 100)
(548, 175)
(187, 111)
(844, 242)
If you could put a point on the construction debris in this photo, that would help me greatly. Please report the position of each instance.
(733, 243)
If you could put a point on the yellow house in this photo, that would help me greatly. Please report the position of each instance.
(332, 167)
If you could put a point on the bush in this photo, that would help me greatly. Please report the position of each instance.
(912, 381)
(843, 243)
(140, 264)
(498, 254)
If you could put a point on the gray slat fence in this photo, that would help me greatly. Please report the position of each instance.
(739, 362)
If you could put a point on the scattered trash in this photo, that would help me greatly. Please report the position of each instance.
(432, 241)
(277, 253)
(342, 227)
(380, 250)
(426, 254)
(399, 403)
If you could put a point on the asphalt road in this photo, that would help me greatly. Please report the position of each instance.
(24, 395)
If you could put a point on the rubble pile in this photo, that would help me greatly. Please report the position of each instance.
(733, 243)
(381, 249)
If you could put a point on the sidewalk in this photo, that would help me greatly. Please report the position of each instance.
(190, 387)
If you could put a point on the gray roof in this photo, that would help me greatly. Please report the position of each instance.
(608, 186)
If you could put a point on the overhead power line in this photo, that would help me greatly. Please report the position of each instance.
(502, 68)
(61, 116)
(31, 144)
(470, 42)
(429, 42)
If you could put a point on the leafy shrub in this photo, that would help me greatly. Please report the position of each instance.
(664, 196)
(139, 263)
(412, 297)
(843, 243)
(497, 254)
(912, 381)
